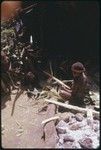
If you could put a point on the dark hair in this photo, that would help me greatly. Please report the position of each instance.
(78, 67)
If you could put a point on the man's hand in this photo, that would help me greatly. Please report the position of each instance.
(65, 94)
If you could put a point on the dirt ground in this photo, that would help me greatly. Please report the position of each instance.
(23, 129)
(21, 126)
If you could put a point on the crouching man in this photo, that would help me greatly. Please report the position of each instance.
(80, 86)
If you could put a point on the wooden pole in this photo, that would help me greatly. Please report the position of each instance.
(76, 108)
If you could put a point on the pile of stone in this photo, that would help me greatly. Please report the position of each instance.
(77, 131)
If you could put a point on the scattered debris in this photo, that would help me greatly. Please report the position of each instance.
(79, 134)
(44, 108)
(2, 129)
(18, 123)
(20, 129)
(22, 106)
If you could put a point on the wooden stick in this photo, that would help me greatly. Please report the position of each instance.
(29, 7)
(80, 109)
(90, 118)
(49, 130)
(59, 81)
(19, 92)
(66, 81)
(18, 123)
(11, 79)
(50, 119)
(51, 70)
(89, 113)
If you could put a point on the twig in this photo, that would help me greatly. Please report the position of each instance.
(22, 106)
(50, 119)
(51, 70)
(17, 96)
(66, 81)
(31, 6)
(18, 123)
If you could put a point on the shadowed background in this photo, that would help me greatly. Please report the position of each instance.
(62, 28)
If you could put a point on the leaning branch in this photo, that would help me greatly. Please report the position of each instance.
(59, 81)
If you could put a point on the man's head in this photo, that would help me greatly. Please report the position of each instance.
(77, 69)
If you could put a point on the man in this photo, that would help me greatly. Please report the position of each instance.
(80, 86)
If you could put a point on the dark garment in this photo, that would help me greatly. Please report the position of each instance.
(77, 101)
(80, 89)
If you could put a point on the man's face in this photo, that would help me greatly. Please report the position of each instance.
(76, 74)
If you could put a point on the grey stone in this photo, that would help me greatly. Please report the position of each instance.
(68, 138)
(61, 130)
(79, 117)
(95, 127)
(75, 126)
(68, 144)
(71, 121)
(61, 124)
(86, 143)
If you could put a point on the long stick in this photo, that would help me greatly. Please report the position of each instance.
(80, 109)
(59, 81)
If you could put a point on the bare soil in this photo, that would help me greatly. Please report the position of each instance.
(23, 129)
